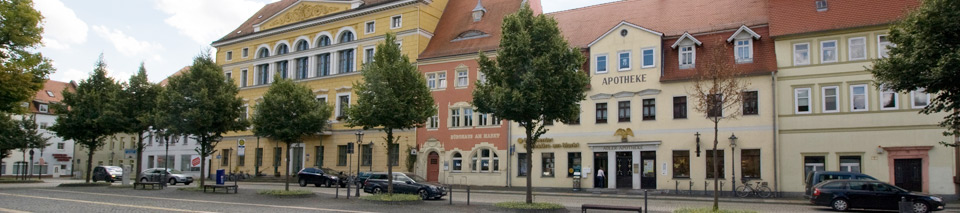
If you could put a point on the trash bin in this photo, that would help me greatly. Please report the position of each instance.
(221, 176)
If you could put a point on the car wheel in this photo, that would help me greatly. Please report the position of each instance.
(920, 207)
(377, 190)
(143, 180)
(94, 179)
(303, 182)
(423, 194)
(329, 184)
(172, 181)
(840, 205)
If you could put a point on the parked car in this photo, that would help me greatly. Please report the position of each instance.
(362, 177)
(843, 195)
(319, 177)
(816, 177)
(403, 183)
(107, 173)
(172, 176)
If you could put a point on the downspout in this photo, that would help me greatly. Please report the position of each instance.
(776, 160)
(509, 154)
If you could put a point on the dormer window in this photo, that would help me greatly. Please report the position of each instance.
(821, 5)
(687, 50)
(478, 12)
(43, 108)
(743, 44)
(470, 34)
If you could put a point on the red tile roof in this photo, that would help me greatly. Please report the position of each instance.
(801, 16)
(764, 57)
(52, 92)
(672, 17)
(457, 18)
(273, 8)
(179, 72)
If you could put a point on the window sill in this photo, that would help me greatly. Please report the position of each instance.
(548, 176)
(601, 73)
(624, 70)
(745, 61)
(461, 87)
(681, 178)
(433, 129)
(684, 67)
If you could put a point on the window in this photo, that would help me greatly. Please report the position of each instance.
(522, 170)
(648, 58)
(601, 64)
(346, 61)
(323, 41)
(317, 157)
(245, 112)
(624, 60)
(649, 109)
(342, 104)
(801, 54)
(575, 121)
(750, 103)
(821, 5)
(434, 122)
(346, 36)
(831, 101)
(432, 80)
(547, 164)
(750, 163)
(366, 151)
(149, 161)
(259, 157)
(857, 48)
(828, 51)
(482, 119)
(301, 68)
(601, 113)
(481, 161)
(245, 52)
(802, 99)
(44, 108)
(481, 77)
(467, 117)
(60, 146)
(368, 55)
(883, 46)
(263, 74)
(715, 109)
(184, 163)
(323, 64)
(812, 163)
(241, 159)
(462, 79)
(370, 27)
(394, 154)
(396, 22)
(20, 167)
(442, 80)
(888, 99)
(455, 117)
(858, 98)
(229, 55)
(341, 155)
(457, 161)
(243, 78)
(720, 165)
(322, 99)
(687, 57)
(224, 161)
(623, 111)
(850, 164)
(919, 99)
(743, 51)
(574, 163)
(680, 107)
(681, 164)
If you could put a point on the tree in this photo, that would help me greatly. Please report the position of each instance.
(288, 113)
(718, 91)
(201, 102)
(92, 113)
(27, 136)
(7, 131)
(926, 55)
(535, 78)
(139, 105)
(21, 71)
(394, 95)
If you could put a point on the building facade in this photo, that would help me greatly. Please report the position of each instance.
(322, 45)
(117, 150)
(55, 159)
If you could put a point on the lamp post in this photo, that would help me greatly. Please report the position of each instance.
(359, 151)
(371, 158)
(733, 159)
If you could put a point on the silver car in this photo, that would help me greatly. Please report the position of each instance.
(171, 176)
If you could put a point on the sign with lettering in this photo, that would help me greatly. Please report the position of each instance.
(540, 140)
(475, 136)
(627, 79)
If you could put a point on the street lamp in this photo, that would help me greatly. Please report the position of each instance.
(733, 159)
(371, 158)
(359, 151)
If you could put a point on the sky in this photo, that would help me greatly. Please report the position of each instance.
(164, 35)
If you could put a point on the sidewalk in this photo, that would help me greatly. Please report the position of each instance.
(619, 193)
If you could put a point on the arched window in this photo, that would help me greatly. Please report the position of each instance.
(302, 45)
(485, 160)
(263, 53)
(457, 161)
(346, 36)
(323, 41)
(282, 49)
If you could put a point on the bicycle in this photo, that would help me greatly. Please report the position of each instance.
(761, 191)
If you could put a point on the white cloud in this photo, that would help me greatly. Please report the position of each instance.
(208, 20)
(69, 75)
(125, 44)
(61, 26)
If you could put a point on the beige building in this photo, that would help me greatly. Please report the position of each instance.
(112, 153)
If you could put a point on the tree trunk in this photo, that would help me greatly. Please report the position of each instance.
(286, 184)
(90, 162)
(389, 158)
(23, 172)
(139, 156)
(716, 170)
(203, 159)
(529, 161)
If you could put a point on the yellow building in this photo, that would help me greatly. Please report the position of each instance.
(112, 153)
(321, 44)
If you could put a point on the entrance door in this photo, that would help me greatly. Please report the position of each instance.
(296, 161)
(624, 170)
(908, 174)
(648, 175)
(433, 167)
(600, 163)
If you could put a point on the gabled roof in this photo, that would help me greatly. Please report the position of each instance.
(55, 88)
(272, 9)
(686, 36)
(624, 23)
(457, 20)
(179, 72)
(788, 17)
(743, 29)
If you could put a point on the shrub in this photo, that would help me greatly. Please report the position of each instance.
(530, 206)
(391, 198)
(710, 210)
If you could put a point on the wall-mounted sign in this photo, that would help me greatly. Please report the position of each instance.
(540, 140)
(474, 136)
(241, 147)
(627, 79)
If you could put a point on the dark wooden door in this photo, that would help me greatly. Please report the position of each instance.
(433, 167)
(624, 173)
(908, 174)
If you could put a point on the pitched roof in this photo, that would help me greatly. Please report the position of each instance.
(272, 9)
(794, 16)
(55, 89)
(179, 72)
(583, 25)
(457, 20)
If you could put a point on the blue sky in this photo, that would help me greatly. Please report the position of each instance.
(163, 34)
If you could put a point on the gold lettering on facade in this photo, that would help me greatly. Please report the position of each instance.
(300, 13)
(541, 140)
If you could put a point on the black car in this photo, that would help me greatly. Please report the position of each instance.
(403, 183)
(107, 173)
(816, 177)
(319, 177)
(843, 195)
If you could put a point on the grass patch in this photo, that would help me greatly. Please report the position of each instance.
(391, 198)
(710, 210)
(82, 184)
(283, 193)
(121, 186)
(530, 206)
(190, 189)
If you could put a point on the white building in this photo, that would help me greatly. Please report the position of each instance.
(54, 160)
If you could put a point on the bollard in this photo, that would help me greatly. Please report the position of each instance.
(705, 183)
(338, 192)
(676, 187)
(644, 201)
(690, 189)
(721, 188)
(348, 191)
(468, 195)
(450, 196)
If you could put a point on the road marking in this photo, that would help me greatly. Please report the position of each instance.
(215, 202)
(102, 203)
(12, 211)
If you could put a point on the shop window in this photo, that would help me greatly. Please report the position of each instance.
(457, 162)
(681, 164)
(719, 163)
(522, 170)
(812, 164)
(547, 164)
(574, 163)
(750, 163)
(850, 164)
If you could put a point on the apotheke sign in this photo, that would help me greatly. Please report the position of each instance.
(627, 79)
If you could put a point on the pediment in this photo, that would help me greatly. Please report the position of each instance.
(304, 10)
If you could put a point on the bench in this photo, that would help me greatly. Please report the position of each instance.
(143, 185)
(225, 187)
(584, 208)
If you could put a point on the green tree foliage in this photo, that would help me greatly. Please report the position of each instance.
(926, 55)
(393, 95)
(288, 113)
(201, 102)
(535, 78)
(92, 113)
(7, 131)
(22, 72)
(28, 137)
(139, 105)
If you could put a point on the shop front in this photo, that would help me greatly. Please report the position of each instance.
(627, 165)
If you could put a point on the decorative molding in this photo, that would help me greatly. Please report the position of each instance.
(647, 92)
(299, 13)
(343, 88)
(321, 90)
(686, 36)
(624, 94)
(601, 96)
(743, 28)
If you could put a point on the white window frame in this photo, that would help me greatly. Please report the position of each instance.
(466, 76)
(44, 108)
(451, 116)
(850, 49)
(796, 101)
(913, 94)
(466, 116)
(243, 78)
(896, 99)
(883, 45)
(606, 67)
(229, 56)
(398, 23)
(795, 61)
(866, 98)
(367, 29)
(629, 60)
(442, 80)
(643, 63)
(836, 96)
(325, 99)
(434, 121)
(338, 107)
(693, 56)
(61, 146)
(365, 56)
(431, 78)
(749, 46)
(836, 54)
(245, 52)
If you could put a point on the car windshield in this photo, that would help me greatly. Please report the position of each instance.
(418, 178)
(402, 178)
(174, 171)
(114, 169)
